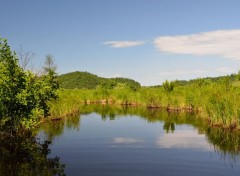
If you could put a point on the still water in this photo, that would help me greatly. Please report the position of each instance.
(122, 141)
(112, 141)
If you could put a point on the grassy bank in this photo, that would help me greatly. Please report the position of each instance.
(217, 103)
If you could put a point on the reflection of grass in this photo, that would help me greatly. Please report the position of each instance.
(217, 103)
(55, 127)
(223, 140)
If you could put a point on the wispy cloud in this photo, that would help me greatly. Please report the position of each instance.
(225, 43)
(123, 140)
(123, 44)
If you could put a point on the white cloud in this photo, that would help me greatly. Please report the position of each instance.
(123, 44)
(225, 43)
(123, 140)
(183, 139)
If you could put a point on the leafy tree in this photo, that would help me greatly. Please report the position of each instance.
(23, 95)
(14, 85)
(50, 85)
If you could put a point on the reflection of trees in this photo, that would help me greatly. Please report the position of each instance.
(224, 141)
(53, 129)
(73, 122)
(25, 155)
(169, 123)
(56, 128)
(169, 126)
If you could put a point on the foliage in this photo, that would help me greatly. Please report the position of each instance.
(22, 154)
(85, 80)
(168, 86)
(216, 101)
(133, 85)
(79, 80)
(23, 95)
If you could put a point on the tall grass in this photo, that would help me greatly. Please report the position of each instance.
(217, 103)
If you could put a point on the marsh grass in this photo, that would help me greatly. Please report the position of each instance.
(216, 103)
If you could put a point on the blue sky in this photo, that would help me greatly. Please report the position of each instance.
(146, 40)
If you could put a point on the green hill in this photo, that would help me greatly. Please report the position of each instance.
(85, 80)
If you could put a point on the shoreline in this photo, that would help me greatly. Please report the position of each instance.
(169, 108)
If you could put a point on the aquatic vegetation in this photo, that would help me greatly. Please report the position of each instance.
(216, 102)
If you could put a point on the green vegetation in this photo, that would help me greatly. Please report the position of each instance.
(168, 86)
(85, 80)
(24, 98)
(215, 100)
(23, 95)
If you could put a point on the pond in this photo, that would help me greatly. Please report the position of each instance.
(116, 140)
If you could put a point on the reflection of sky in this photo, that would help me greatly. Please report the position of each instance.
(128, 142)
(183, 139)
(123, 140)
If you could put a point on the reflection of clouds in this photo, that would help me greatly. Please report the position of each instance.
(183, 139)
(123, 140)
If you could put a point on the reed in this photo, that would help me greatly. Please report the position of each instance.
(216, 103)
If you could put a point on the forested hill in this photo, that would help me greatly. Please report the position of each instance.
(85, 80)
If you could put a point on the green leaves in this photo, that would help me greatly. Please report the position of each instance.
(168, 86)
(22, 93)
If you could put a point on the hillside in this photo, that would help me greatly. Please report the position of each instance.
(85, 80)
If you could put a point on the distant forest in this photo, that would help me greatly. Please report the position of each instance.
(86, 80)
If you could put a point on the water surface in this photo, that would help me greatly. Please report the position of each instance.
(112, 141)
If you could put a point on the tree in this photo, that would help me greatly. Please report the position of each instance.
(14, 83)
(50, 67)
(25, 59)
(23, 95)
(50, 86)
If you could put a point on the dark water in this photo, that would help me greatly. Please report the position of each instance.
(114, 141)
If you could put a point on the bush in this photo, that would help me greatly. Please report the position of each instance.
(23, 94)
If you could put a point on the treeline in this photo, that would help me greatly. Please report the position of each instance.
(85, 80)
(233, 78)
